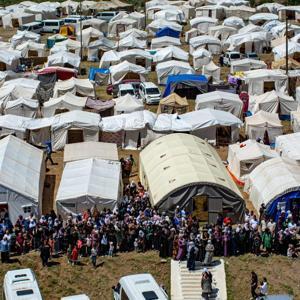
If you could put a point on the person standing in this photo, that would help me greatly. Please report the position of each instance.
(254, 284)
(263, 288)
(206, 284)
(4, 249)
(94, 256)
(45, 253)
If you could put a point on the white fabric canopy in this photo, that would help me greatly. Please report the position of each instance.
(21, 107)
(273, 102)
(164, 41)
(170, 52)
(262, 121)
(220, 101)
(127, 104)
(212, 44)
(67, 101)
(288, 146)
(21, 176)
(172, 67)
(75, 86)
(280, 51)
(212, 70)
(244, 157)
(89, 182)
(62, 58)
(118, 72)
(272, 179)
(247, 64)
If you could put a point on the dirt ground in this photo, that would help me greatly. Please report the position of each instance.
(61, 279)
(283, 275)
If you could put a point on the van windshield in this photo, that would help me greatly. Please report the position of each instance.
(24, 292)
(150, 295)
(124, 92)
(152, 91)
(234, 55)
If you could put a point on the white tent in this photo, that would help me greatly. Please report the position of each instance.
(88, 183)
(244, 157)
(22, 107)
(280, 51)
(17, 88)
(88, 34)
(288, 146)
(203, 23)
(64, 58)
(295, 120)
(23, 36)
(213, 11)
(10, 58)
(127, 104)
(172, 67)
(160, 23)
(29, 47)
(257, 79)
(109, 58)
(22, 174)
(46, 10)
(164, 41)
(212, 70)
(222, 32)
(20, 16)
(118, 72)
(75, 86)
(235, 22)
(271, 180)
(273, 102)
(139, 17)
(12, 124)
(86, 150)
(210, 43)
(67, 101)
(251, 41)
(135, 56)
(88, 122)
(258, 124)
(170, 52)
(131, 41)
(102, 44)
(95, 23)
(68, 45)
(269, 7)
(69, 7)
(220, 101)
(137, 33)
(121, 25)
(262, 17)
(170, 13)
(201, 57)
(247, 64)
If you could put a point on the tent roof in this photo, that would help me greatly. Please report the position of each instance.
(20, 167)
(174, 99)
(90, 177)
(263, 119)
(289, 145)
(176, 160)
(86, 150)
(128, 103)
(218, 96)
(271, 179)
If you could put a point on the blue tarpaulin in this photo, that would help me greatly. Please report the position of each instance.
(285, 202)
(94, 71)
(166, 31)
(188, 79)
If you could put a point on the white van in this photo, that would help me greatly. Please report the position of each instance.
(231, 56)
(52, 25)
(137, 287)
(21, 284)
(35, 27)
(126, 88)
(149, 93)
(76, 297)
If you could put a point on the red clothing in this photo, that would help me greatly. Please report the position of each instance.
(74, 255)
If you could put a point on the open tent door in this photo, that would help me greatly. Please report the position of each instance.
(200, 207)
(215, 206)
(3, 209)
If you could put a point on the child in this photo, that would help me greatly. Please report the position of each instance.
(111, 249)
(94, 256)
(136, 245)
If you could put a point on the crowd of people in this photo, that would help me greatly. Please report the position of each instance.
(136, 226)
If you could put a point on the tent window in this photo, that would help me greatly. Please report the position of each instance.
(248, 165)
(27, 209)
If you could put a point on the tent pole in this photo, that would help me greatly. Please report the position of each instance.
(80, 24)
(287, 51)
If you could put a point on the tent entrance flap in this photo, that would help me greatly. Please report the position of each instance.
(75, 136)
(200, 207)
(215, 206)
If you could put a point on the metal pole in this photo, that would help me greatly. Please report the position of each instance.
(286, 46)
(80, 24)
